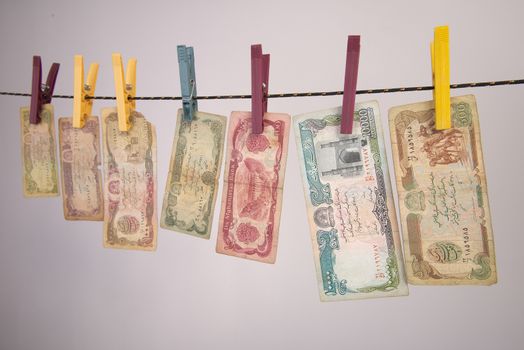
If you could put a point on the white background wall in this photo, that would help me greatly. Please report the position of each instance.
(59, 289)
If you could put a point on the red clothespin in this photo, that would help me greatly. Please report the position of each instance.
(350, 84)
(259, 87)
(41, 94)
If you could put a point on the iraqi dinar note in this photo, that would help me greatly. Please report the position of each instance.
(79, 150)
(40, 170)
(350, 207)
(196, 159)
(442, 194)
(130, 182)
(252, 196)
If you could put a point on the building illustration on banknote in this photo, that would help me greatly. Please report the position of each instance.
(342, 157)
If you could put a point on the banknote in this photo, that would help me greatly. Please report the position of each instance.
(40, 178)
(442, 194)
(130, 182)
(196, 159)
(252, 196)
(350, 208)
(79, 151)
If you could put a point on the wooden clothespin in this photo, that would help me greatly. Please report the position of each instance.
(441, 79)
(259, 87)
(125, 90)
(186, 65)
(82, 105)
(41, 94)
(350, 84)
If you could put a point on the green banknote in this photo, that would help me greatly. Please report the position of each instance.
(350, 207)
(192, 182)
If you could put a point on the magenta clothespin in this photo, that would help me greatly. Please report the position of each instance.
(41, 94)
(259, 87)
(350, 84)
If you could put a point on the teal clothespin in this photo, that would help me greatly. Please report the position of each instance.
(186, 64)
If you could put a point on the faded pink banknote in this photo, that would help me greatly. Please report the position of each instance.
(252, 197)
(83, 198)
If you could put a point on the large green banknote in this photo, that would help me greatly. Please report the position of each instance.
(192, 182)
(40, 170)
(130, 220)
(443, 195)
(350, 207)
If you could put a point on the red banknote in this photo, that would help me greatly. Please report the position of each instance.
(252, 197)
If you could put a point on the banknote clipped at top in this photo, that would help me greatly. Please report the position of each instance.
(252, 196)
(130, 219)
(40, 169)
(192, 182)
(443, 195)
(79, 150)
(351, 213)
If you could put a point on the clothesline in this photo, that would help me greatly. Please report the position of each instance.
(295, 94)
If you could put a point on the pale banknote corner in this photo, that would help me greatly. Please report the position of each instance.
(129, 247)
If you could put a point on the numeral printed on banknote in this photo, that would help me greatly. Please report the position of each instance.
(40, 170)
(130, 183)
(350, 208)
(252, 197)
(81, 176)
(443, 195)
(192, 182)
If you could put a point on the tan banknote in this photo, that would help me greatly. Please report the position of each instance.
(350, 207)
(443, 195)
(79, 150)
(252, 196)
(192, 182)
(40, 170)
(130, 220)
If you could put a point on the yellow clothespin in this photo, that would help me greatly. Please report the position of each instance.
(441, 80)
(124, 90)
(81, 105)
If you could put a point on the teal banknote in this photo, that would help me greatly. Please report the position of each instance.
(350, 208)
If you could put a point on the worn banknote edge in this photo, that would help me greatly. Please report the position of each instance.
(53, 135)
(402, 288)
(220, 159)
(107, 111)
(392, 113)
(67, 214)
(271, 258)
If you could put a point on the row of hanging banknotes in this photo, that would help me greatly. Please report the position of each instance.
(440, 180)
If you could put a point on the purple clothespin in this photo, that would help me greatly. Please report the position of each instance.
(259, 87)
(41, 94)
(350, 84)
